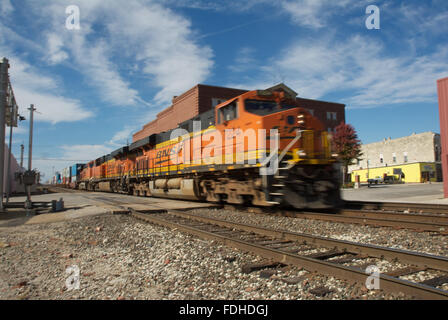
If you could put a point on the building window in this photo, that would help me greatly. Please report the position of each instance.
(405, 156)
(381, 158)
(216, 101)
(331, 115)
(437, 153)
(394, 158)
(311, 111)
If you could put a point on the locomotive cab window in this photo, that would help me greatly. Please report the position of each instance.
(264, 108)
(227, 113)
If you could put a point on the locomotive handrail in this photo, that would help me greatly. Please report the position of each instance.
(289, 146)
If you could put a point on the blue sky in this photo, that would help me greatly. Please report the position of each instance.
(95, 86)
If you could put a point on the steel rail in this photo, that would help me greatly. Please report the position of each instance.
(350, 274)
(411, 217)
(419, 259)
(377, 219)
(402, 206)
(420, 222)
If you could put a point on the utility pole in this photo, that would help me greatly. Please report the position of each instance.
(28, 203)
(4, 81)
(30, 151)
(22, 148)
(8, 173)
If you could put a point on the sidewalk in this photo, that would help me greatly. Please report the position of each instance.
(415, 192)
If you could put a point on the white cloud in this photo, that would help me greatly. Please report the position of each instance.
(91, 152)
(244, 60)
(31, 86)
(6, 8)
(305, 12)
(358, 68)
(316, 14)
(52, 108)
(123, 136)
(55, 52)
(112, 42)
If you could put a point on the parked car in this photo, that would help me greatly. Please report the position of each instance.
(391, 179)
(375, 180)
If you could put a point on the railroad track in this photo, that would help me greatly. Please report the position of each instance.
(328, 256)
(416, 221)
(341, 259)
(419, 222)
(398, 215)
(398, 206)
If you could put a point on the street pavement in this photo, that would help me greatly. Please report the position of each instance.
(415, 192)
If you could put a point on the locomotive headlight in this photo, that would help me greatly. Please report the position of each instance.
(301, 121)
(301, 116)
(334, 155)
(301, 153)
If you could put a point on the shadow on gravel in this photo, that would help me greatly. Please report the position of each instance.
(13, 218)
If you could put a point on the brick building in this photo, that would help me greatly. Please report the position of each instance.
(202, 98)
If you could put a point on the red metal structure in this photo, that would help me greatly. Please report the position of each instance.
(442, 89)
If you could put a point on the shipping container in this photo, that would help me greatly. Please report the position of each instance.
(75, 171)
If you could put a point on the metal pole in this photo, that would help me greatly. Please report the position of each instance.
(4, 65)
(30, 151)
(30, 154)
(22, 148)
(8, 173)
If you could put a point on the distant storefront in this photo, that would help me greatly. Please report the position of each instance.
(414, 158)
(411, 172)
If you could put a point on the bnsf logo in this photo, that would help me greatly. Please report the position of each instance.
(167, 152)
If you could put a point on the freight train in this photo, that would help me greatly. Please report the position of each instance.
(260, 148)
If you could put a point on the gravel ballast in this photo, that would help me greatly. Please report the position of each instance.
(120, 257)
(425, 242)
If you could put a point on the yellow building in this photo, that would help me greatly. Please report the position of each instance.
(410, 172)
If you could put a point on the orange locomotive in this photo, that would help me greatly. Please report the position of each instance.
(230, 154)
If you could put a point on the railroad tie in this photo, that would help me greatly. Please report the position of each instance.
(405, 271)
(326, 255)
(437, 281)
(251, 267)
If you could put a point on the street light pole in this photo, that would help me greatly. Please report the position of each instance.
(28, 204)
(30, 151)
(22, 148)
(4, 65)
(8, 173)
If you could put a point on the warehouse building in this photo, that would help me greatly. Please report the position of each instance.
(415, 158)
(202, 98)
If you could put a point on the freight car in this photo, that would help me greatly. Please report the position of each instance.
(222, 155)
